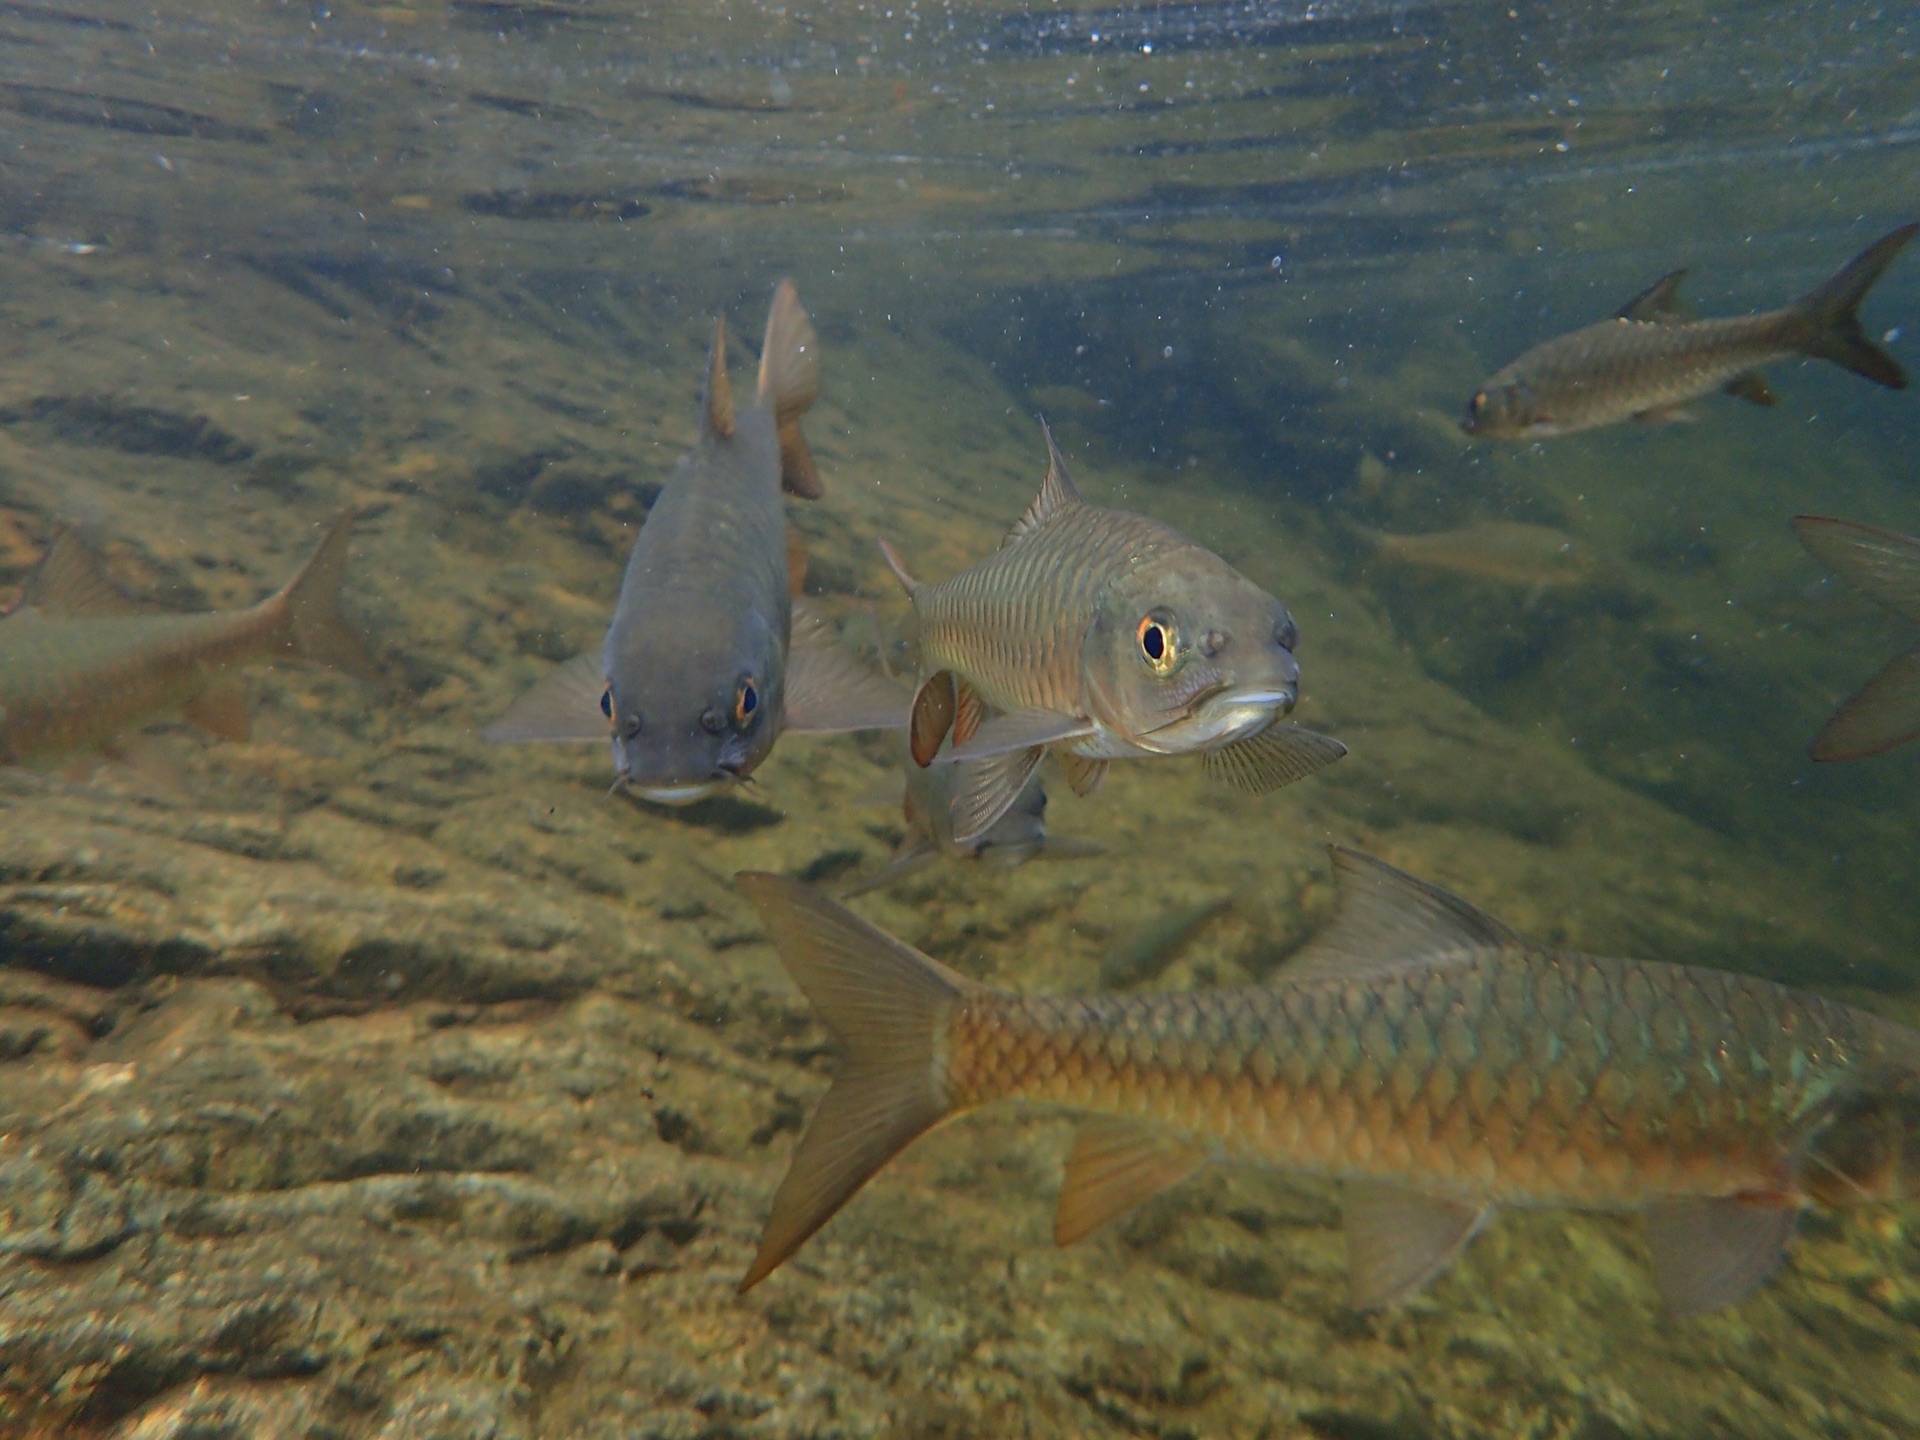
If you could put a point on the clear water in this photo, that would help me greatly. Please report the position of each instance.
(455, 261)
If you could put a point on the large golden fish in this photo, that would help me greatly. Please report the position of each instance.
(80, 662)
(1101, 635)
(1649, 361)
(1417, 1049)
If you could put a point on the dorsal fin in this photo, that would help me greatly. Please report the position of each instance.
(70, 581)
(716, 403)
(1660, 302)
(1385, 919)
(1056, 491)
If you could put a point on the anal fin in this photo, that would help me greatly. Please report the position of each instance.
(1117, 1164)
(1752, 386)
(1279, 755)
(1083, 776)
(221, 710)
(1709, 1251)
(1399, 1239)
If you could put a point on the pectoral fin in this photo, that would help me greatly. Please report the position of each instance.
(1279, 755)
(1018, 730)
(562, 706)
(1398, 1240)
(984, 790)
(828, 687)
(220, 710)
(1116, 1165)
(932, 716)
(1710, 1252)
(916, 852)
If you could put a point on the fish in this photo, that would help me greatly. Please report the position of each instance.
(1101, 635)
(1885, 712)
(1436, 1063)
(1143, 954)
(1507, 552)
(1019, 835)
(709, 657)
(81, 662)
(1650, 359)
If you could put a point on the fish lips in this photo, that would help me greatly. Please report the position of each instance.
(680, 780)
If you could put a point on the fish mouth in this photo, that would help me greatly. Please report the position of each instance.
(1222, 715)
(677, 795)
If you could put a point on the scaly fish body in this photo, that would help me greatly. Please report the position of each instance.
(1417, 1050)
(706, 662)
(76, 668)
(1101, 635)
(1647, 363)
(1509, 552)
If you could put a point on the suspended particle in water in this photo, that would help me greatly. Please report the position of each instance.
(1276, 262)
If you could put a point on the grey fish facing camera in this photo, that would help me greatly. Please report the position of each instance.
(1101, 635)
(1650, 360)
(709, 659)
(1885, 712)
(80, 662)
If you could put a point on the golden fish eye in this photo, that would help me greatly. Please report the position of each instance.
(1158, 642)
(746, 702)
(1480, 401)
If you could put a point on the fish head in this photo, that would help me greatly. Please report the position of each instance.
(1506, 409)
(1186, 653)
(687, 724)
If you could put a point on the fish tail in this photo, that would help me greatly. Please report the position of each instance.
(888, 1006)
(789, 384)
(1831, 314)
(316, 630)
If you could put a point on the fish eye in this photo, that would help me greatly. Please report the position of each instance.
(606, 702)
(746, 702)
(1158, 640)
(1479, 402)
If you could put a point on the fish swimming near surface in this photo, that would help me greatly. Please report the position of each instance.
(1100, 635)
(1506, 552)
(709, 658)
(1019, 835)
(81, 662)
(1436, 1062)
(1886, 566)
(1650, 360)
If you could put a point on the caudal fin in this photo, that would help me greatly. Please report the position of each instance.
(888, 1006)
(789, 384)
(1832, 313)
(316, 630)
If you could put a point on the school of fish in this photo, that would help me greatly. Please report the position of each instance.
(1434, 1062)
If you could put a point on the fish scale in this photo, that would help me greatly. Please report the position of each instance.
(1562, 1067)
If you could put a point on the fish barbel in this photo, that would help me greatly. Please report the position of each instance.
(80, 662)
(1885, 712)
(1649, 361)
(709, 659)
(1101, 635)
(1418, 1050)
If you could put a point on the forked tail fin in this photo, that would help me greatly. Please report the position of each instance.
(316, 630)
(789, 384)
(1832, 313)
(888, 1006)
